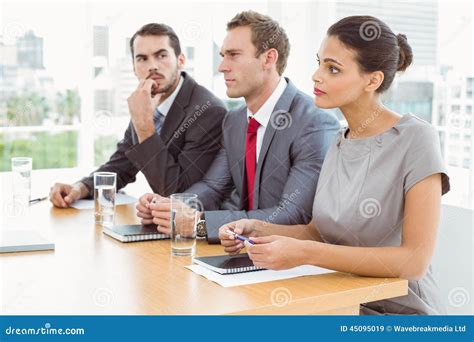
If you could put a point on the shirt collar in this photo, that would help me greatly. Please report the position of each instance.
(165, 106)
(265, 112)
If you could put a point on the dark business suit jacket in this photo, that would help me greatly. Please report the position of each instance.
(180, 155)
(293, 149)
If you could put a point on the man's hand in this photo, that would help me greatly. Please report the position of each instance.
(161, 212)
(63, 195)
(185, 217)
(243, 227)
(142, 105)
(143, 208)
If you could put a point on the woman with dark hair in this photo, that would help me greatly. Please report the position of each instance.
(377, 204)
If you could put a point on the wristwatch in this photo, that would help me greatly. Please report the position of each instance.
(201, 231)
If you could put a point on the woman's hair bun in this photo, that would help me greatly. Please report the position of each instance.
(405, 56)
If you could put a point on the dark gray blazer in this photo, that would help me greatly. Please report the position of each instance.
(180, 156)
(292, 153)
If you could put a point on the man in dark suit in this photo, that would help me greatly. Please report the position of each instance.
(273, 147)
(175, 128)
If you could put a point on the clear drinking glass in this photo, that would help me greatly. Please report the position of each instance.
(21, 171)
(104, 197)
(185, 210)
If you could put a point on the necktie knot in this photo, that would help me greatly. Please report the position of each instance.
(253, 126)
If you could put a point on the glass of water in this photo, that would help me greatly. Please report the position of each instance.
(185, 210)
(21, 171)
(104, 197)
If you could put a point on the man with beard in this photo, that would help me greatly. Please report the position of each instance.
(175, 127)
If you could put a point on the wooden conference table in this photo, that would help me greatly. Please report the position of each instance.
(91, 273)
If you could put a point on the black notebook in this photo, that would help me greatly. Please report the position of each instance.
(135, 232)
(227, 264)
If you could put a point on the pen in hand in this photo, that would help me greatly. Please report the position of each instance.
(240, 237)
(37, 200)
(154, 201)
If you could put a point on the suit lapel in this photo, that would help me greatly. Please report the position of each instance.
(279, 120)
(177, 112)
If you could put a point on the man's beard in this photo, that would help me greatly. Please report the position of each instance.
(167, 87)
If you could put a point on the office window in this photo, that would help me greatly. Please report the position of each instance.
(466, 163)
(467, 123)
(470, 82)
(190, 52)
(456, 92)
(63, 93)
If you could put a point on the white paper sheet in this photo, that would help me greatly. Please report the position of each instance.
(89, 204)
(230, 280)
(12, 240)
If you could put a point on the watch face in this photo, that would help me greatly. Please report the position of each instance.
(200, 229)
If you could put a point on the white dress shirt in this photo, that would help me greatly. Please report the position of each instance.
(165, 106)
(265, 112)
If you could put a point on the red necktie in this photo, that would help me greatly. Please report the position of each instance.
(251, 158)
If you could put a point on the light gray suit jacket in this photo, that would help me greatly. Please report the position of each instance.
(292, 153)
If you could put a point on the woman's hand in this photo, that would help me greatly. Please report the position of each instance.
(242, 227)
(277, 252)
